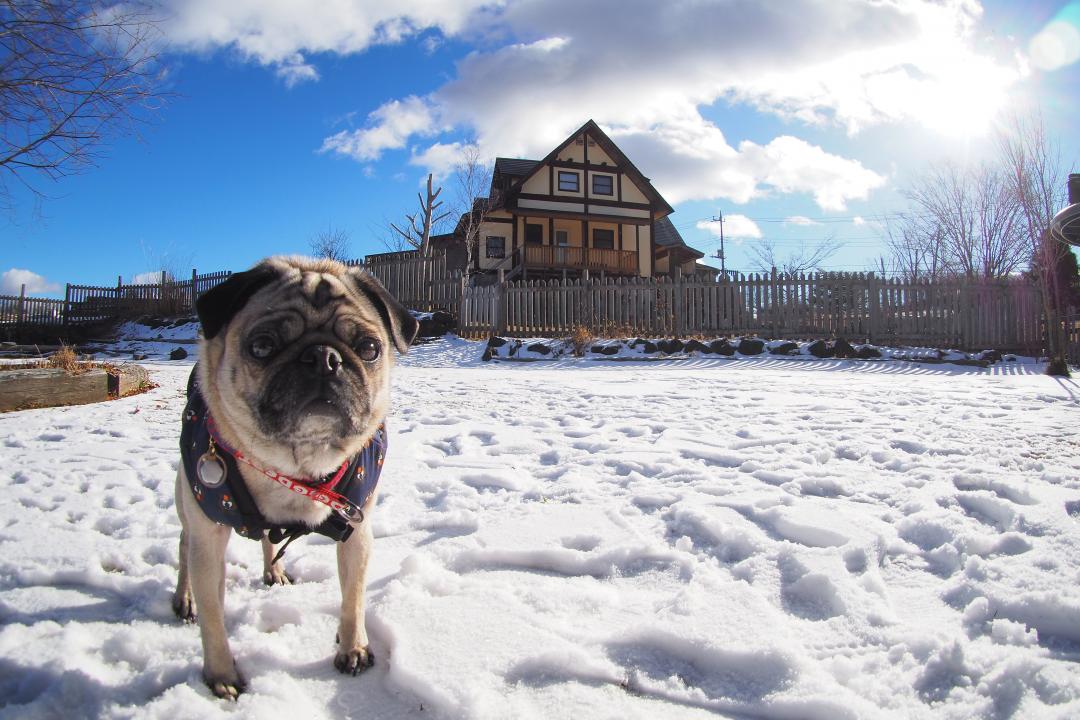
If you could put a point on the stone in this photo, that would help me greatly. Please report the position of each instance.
(540, 348)
(990, 356)
(138, 356)
(435, 324)
(722, 347)
(648, 347)
(178, 354)
(971, 362)
(495, 341)
(670, 346)
(751, 346)
(487, 354)
(820, 349)
(868, 352)
(696, 346)
(785, 348)
(605, 349)
(842, 349)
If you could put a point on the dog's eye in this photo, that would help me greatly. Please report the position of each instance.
(262, 347)
(368, 349)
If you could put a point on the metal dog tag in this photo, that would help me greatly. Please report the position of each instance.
(211, 469)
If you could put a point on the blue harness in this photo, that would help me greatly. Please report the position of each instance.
(227, 500)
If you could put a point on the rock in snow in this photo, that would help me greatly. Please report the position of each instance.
(760, 537)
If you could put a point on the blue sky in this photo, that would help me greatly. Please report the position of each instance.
(290, 118)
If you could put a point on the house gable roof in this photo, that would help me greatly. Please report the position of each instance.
(665, 235)
(600, 137)
(514, 167)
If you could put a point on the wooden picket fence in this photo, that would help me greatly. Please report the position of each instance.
(93, 303)
(21, 311)
(971, 314)
(1003, 314)
(419, 282)
(84, 304)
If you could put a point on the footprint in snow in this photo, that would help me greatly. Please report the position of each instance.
(805, 594)
(987, 509)
(654, 658)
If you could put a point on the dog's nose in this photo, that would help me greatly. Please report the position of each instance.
(321, 359)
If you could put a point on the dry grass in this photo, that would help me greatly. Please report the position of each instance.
(65, 359)
(580, 340)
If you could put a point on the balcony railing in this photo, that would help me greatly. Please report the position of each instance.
(620, 262)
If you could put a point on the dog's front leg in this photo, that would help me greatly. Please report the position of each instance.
(273, 572)
(353, 654)
(206, 560)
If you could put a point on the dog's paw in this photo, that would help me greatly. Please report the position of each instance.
(277, 576)
(355, 661)
(184, 607)
(226, 688)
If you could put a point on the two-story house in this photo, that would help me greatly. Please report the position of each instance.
(583, 207)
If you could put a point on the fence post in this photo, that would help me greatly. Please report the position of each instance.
(499, 316)
(194, 294)
(678, 301)
(875, 306)
(67, 304)
(773, 307)
(21, 311)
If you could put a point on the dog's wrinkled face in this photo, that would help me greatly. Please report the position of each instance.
(298, 355)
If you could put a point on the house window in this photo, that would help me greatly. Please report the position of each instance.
(496, 246)
(603, 239)
(562, 238)
(603, 185)
(568, 181)
(534, 234)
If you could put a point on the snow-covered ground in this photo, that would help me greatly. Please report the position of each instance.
(671, 539)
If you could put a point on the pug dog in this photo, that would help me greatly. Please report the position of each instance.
(283, 434)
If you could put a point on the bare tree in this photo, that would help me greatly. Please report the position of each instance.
(1037, 178)
(971, 216)
(915, 247)
(417, 232)
(71, 74)
(803, 259)
(331, 243)
(472, 181)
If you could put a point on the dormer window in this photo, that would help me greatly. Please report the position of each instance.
(603, 185)
(569, 181)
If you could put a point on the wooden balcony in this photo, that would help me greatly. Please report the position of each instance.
(549, 257)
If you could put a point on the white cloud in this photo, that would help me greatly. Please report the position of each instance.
(858, 220)
(692, 161)
(440, 159)
(12, 281)
(800, 220)
(647, 76)
(151, 277)
(391, 126)
(866, 63)
(293, 70)
(734, 226)
(275, 32)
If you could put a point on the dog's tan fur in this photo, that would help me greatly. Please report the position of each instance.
(328, 300)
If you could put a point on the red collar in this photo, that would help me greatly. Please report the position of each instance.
(321, 491)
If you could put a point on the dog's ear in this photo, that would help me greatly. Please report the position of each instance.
(218, 305)
(403, 326)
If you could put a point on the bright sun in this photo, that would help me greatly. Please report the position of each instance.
(964, 98)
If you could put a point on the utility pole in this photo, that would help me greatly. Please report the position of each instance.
(720, 252)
